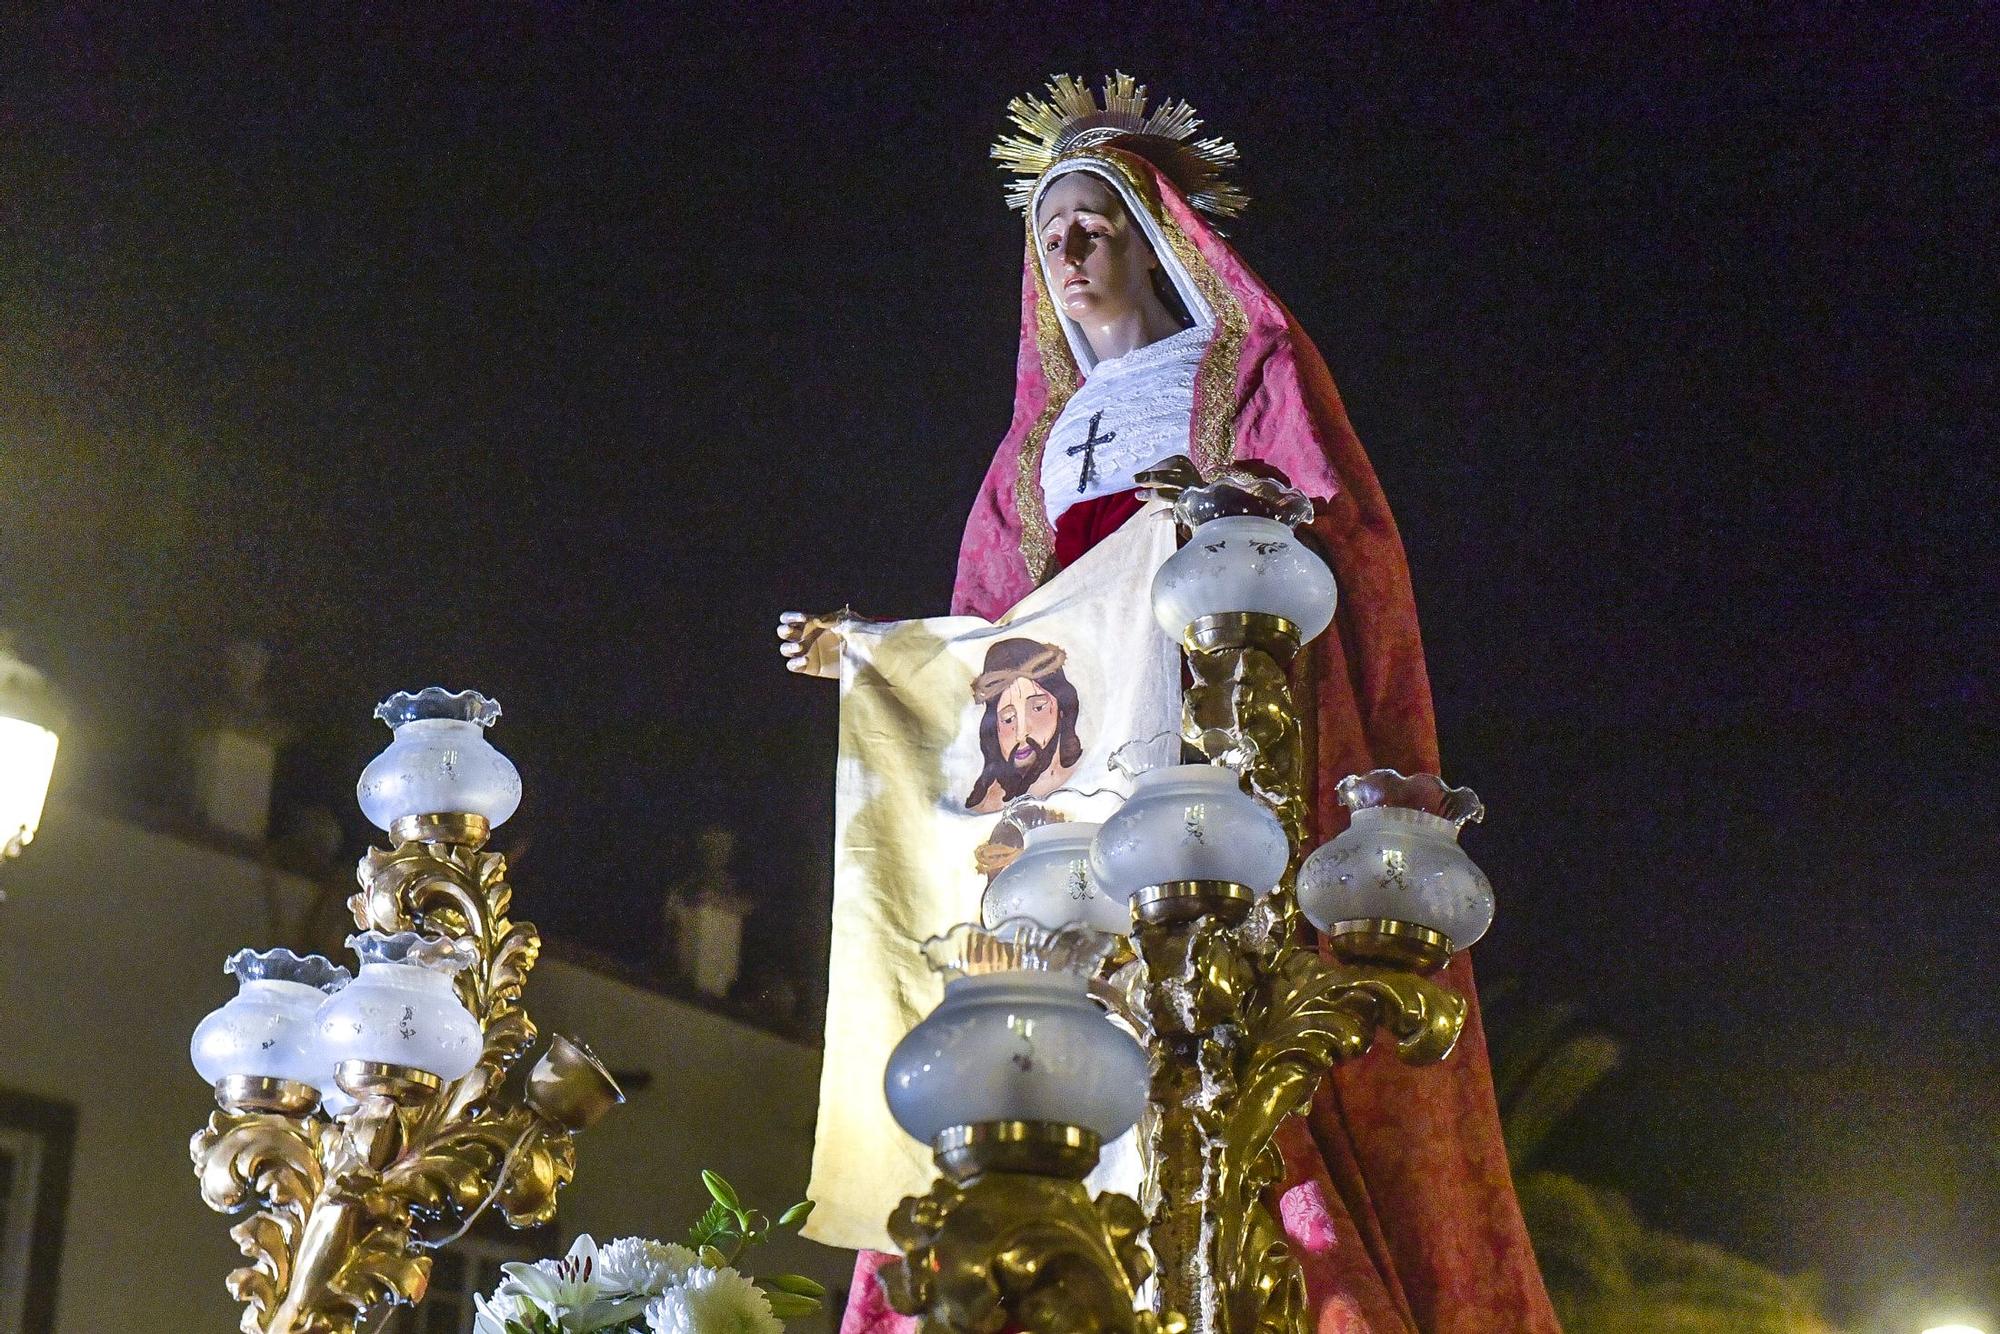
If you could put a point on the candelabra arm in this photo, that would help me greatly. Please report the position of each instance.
(1320, 1015)
(1244, 1020)
(340, 1202)
(354, 1251)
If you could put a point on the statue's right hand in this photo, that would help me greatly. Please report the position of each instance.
(1169, 477)
(811, 644)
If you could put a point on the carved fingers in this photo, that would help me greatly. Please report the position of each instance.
(811, 643)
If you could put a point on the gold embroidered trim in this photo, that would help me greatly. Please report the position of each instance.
(1212, 432)
(1060, 377)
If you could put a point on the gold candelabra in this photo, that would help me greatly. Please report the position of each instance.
(1241, 1018)
(339, 1202)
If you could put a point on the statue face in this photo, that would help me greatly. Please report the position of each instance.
(1099, 263)
(1026, 723)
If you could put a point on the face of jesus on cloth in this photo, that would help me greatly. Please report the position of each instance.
(1027, 725)
(1027, 729)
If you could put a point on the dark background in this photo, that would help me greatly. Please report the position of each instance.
(553, 354)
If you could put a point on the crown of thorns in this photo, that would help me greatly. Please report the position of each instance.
(990, 685)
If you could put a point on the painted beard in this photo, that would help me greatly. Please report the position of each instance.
(1020, 774)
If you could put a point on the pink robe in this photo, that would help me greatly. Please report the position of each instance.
(1397, 1196)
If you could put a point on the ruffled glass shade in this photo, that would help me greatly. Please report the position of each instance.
(266, 1030)
(1189, 822)
(403, 1010)
(440, 762)
(1399, 861)
(1050, 883)
(1017, 1038)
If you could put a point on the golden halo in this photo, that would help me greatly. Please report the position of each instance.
(1071, 120)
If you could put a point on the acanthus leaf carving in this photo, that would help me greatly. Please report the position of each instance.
(340, 1201)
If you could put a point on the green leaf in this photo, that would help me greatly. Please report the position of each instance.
(724, 1193)
(796, 1215)
(713, 1258)
(790, 1306)
(796, 1284)
(717, 1222)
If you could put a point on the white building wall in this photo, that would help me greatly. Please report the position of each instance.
(111, 947)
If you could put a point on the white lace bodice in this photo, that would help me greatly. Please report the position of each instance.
(1131, 413)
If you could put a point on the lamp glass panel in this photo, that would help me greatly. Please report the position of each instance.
(27, 762)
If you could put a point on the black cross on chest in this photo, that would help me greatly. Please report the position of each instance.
(1089, 451)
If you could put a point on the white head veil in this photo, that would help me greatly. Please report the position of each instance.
(1170, 264)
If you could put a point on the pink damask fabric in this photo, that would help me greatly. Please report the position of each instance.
(1397, 1195)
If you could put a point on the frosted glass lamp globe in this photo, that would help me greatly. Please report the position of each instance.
(266, 1030)
(440, 762)
(1397, 866)
(1050, 883)
(1016, 1038)
(403, 1010)
(1244, 563)
(1189, 822)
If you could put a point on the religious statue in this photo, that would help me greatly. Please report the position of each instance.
(1146, 339)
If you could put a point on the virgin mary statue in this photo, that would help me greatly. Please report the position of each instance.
(1145, 336)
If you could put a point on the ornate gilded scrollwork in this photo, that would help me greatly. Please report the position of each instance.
(271, 1161)
(339, 1203)
(1239, 710)
(1027, 1250)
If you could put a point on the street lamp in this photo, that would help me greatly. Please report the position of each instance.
(29, 721)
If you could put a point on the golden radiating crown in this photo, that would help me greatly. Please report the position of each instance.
(1071, 119)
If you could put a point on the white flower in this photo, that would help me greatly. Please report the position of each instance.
(502, 1307)
(558, 1286)
(712, 1301)
(643, 1267)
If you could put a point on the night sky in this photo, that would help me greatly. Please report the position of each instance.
(555, 354)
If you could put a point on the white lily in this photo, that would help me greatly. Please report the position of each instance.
(558, 1285)
(496, 1313)
(569, 1290)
